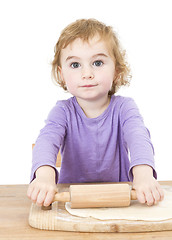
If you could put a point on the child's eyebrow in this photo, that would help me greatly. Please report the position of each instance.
(96, 55)
(70, 57)
(100, 55)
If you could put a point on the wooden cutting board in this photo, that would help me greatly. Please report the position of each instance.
(59, 219)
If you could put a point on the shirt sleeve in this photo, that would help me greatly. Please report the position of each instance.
(136, 137)
(49, 140)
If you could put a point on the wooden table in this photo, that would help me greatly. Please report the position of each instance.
(14, 211)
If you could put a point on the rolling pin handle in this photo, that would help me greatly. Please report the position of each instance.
(62, 197)
(133, 195)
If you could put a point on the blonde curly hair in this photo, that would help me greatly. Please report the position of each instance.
(86, 29)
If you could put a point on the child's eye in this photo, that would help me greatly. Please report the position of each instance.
(75, 65)
(98, 63)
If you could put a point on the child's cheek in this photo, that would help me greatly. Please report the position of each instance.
(106, 81)
(71, 84)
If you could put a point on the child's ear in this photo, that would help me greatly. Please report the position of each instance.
(60, 73)
(116, 76)
(61, 78)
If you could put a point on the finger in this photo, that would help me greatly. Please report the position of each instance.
(34, 195)
(161, 192)
(29, 191)
(49, 198)
(141, 197)
(156, 195)
(149, 198)
(41, 197)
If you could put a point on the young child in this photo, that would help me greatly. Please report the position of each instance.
(101, 136)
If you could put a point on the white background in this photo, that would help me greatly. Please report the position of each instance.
(28, 33)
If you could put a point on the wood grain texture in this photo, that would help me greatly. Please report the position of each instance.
(100, 195)
(14, 213)
(93, 196)
(59, 219)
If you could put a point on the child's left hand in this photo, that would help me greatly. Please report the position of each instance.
(148, 190)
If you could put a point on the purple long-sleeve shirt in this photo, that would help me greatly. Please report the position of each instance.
(101, 149)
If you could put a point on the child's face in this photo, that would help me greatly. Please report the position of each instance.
(87, 69)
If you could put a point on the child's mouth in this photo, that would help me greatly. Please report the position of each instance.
(89, 86)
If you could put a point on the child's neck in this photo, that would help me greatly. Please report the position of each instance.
(93, 109)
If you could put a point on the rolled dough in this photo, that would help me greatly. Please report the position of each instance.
(136, 211)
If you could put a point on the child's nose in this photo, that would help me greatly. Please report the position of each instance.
(87, 73)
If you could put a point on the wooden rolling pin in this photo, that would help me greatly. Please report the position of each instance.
(94, 196)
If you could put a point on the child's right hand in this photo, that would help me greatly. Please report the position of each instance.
(43, 188)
